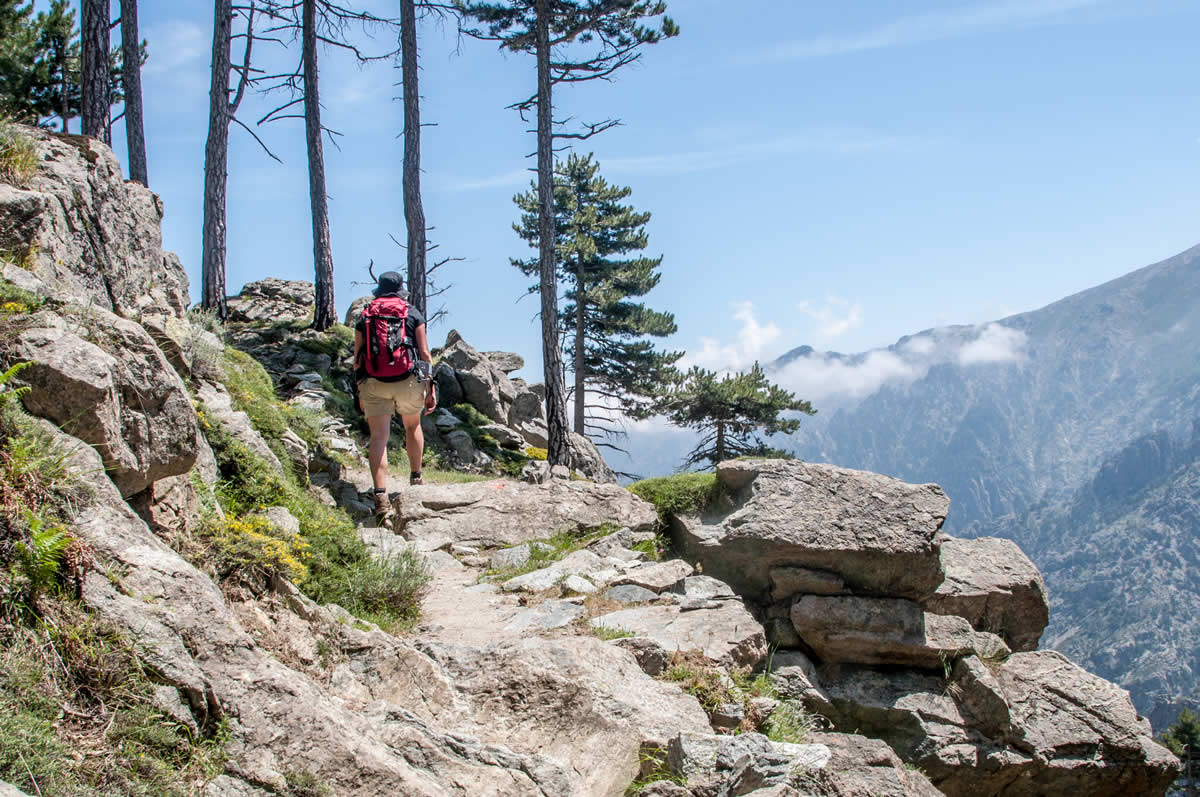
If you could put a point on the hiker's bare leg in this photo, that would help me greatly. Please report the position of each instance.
(381, 430)
(414, 441)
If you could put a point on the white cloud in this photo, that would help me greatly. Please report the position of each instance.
(838, 379)
(834, 318)
(933, 26)
(995, 344)
(752, 340)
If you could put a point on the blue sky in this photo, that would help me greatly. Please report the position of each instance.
(832, 174)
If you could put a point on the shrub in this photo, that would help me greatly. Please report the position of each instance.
(255, 549)
(18, 155)
(533, 452)
(253, 393)
(678, 494)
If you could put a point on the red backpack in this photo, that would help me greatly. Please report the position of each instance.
(390, 353)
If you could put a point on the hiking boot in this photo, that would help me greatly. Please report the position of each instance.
(383, 507)
(415, 479)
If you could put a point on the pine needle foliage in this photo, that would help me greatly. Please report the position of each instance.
(604, 332)
(731, 412)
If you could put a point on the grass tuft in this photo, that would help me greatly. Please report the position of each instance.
(680, 494)
(18, 155)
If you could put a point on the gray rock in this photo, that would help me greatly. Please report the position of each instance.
(794, 676)
(297, 451)
(169, 506)
(283, 520)
(9, 790)
(488, 389)
(887, 631)
(446, 420)
(449, 389)
(579, 563)
(703, 588)
(218, 408)
(536, 472)
(528, 407)
(787, 582)
(355, 310)
(503, 512)
(506, 437)
(510, 557)
(713, 764)
(97, 238)
(273, 300)
(465, 451)
(547, 615)
(1034, 724)
(578, 584)
(588, 462)
(104, 380)
(657, 576)
(614, 544)
(859, 766)
(992, 583)
(875, 532)
(505, 361)
(726, 635)
(651, 656)
(630, 593)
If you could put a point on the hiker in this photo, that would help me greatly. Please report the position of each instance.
(392, 368)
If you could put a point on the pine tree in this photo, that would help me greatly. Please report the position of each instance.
(18, 56)
(1183, 739)
(97, 70)
(551, 30)
(731, 411)
(57, 92)
(132, 56)
(605, 332)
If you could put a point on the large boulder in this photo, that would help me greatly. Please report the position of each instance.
(90, 235)
(502, 512)
(875, 533)
(486, 387)
(103, 379)
(992, 583)
(218, 409)
(887, 631)
(273, 300)
(1032, 725)
(587, 461)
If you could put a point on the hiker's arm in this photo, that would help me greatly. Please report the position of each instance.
(423, 353)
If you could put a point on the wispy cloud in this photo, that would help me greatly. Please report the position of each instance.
(831, 141)
(821, 378)
(518, 178)
(834, 318)
(934, 26)
(748, 346)
(176, 44)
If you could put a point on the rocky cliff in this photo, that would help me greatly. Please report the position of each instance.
(557, 651)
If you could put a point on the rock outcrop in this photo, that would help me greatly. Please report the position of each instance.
(273, 301)
(904, 634)
(87, 234)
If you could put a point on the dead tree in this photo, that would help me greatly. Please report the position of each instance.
(549, 29)
(222, 111)
(131, 76)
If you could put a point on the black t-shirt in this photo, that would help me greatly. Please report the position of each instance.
(414, 320)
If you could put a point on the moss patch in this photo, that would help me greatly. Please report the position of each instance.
(680, 494)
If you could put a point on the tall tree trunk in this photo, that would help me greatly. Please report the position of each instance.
(135, 132)
(324, 316)
(414, 211)
(216, 164)
(64, 97)
(95, 82)
(559, 451)
(720, 447)
(580, 382)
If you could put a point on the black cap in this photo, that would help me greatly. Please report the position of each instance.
(390, 284)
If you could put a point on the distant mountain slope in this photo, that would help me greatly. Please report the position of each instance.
(1075, 438)
(1079, 380)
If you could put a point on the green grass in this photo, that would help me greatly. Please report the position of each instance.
(18, 155)
(680, 494)
(340, 567)
(551, 549)
(17, 301)
(790, 722)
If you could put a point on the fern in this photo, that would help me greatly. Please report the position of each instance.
(39, 560)
(9, 394)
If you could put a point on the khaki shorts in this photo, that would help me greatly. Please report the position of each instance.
(406, 397)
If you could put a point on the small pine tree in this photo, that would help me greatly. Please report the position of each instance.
(604, 332)
(731, 411)
(18, 56)
(1183, 739)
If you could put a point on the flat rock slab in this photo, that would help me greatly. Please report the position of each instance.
(727, 634)
(992, 583)
(874, 532)
(657, 576)
(887, 631)
(546, 616)
(503, 512)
